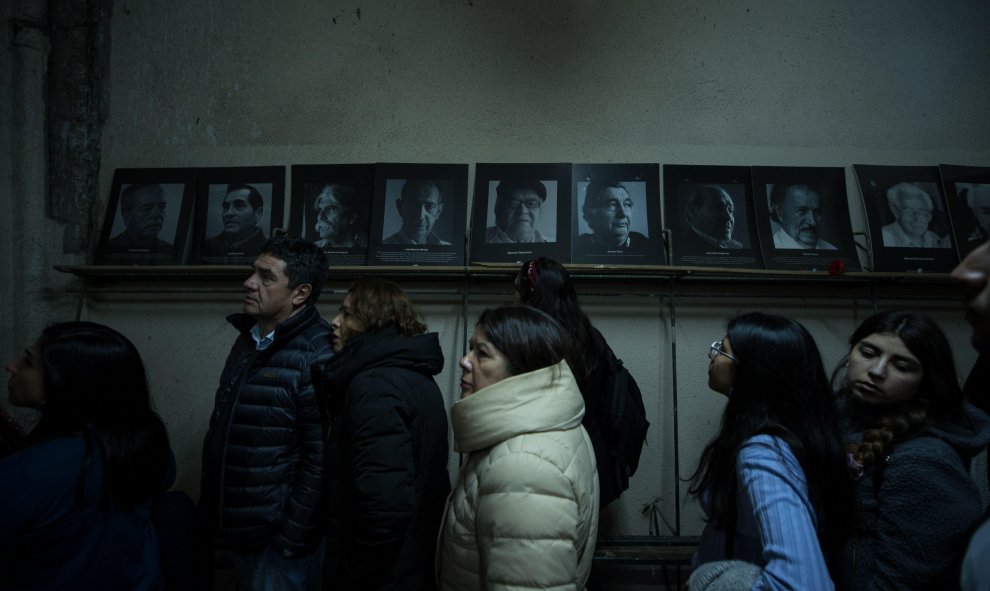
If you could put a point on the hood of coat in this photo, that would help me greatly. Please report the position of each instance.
(547, 399)
(384, 348)
(967, 430)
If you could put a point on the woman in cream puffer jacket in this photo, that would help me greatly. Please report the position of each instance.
(524, 513)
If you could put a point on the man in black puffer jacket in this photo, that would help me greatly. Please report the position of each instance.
(263, 489)
(387, 449)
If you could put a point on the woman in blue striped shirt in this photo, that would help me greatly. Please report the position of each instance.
(774, 482)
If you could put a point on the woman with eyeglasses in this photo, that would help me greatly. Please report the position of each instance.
(774, 482)
(912, 436)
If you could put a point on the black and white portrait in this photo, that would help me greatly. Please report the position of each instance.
(236, 212)
(331, 207)
(710, 213)
(521, 210)
(616, 214)
(147, 216)
(798, 216)
(414, 212)
(238, 219)
(802, 215)
(419, 214)
(145, 220)
(908, 218)
(912, 205)
(976, 196)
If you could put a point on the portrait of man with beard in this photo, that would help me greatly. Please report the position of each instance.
(518, 208)
(798, 211)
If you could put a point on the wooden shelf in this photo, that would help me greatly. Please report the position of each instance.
(501, 270)
(711, 282)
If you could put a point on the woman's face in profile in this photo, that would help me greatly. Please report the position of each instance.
(483, 366)
(346, 326)
(721, 367)
(882, 370)
(26, 386)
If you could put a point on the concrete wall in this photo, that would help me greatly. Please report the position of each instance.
(232, 83)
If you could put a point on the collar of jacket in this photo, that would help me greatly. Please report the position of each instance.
(547, 399)
(284, 331)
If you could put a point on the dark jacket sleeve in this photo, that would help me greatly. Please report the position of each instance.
(384, 476)
(302, 526)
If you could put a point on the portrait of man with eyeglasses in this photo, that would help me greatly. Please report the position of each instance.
(609, 210)
(518, 208)
(420, 203)
(912, 206)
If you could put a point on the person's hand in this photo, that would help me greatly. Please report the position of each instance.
(974, 271)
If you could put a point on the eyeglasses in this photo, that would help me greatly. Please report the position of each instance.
(533, 203)
(716, 349)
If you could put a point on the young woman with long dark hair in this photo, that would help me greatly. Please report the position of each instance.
(774, 482)
(913, 436)
(75, 505)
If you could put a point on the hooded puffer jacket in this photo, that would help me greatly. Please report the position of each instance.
(524, 513)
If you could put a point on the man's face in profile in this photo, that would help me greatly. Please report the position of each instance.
(239, 218)
(913, 211)
(800, 214)
(609, 215)
(147, 214)
(419, 212)
(716, 216)
(974, 271)
(518, 214)
(333, 220)
(980, 204)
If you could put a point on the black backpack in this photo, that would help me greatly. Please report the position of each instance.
(616, 422)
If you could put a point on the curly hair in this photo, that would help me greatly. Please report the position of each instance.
(378, 303)
(938, 393)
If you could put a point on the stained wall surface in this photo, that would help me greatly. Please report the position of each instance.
(241, 83)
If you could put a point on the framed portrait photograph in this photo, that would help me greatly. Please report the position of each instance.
(330, 206)
(147, 217)
(802, 217)
(909, 225)
(967, 194)
(615, 214)
(521, 211)
(237, 209)
(418, 214)
(710, 216)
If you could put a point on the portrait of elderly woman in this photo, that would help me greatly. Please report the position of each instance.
(339, 217)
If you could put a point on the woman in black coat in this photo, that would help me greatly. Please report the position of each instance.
(387, 446)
